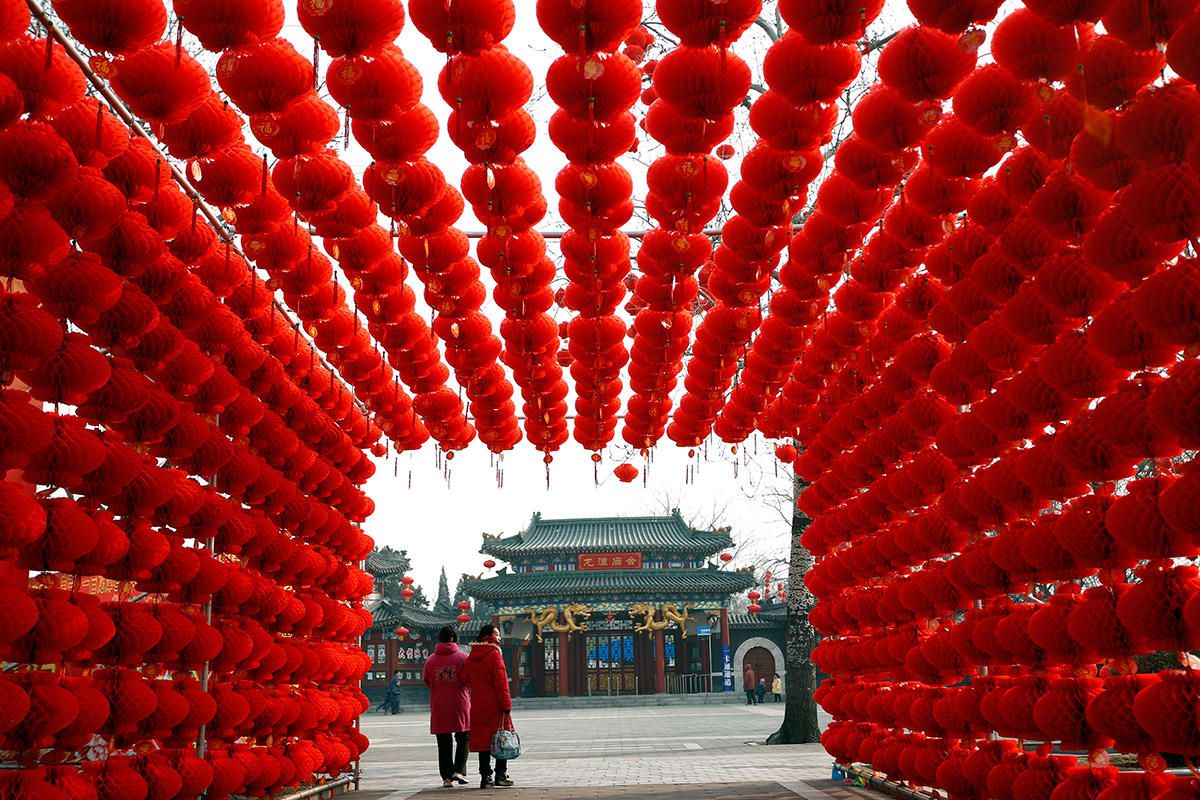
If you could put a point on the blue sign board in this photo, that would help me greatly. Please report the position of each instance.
(704, 630)
(726, 669)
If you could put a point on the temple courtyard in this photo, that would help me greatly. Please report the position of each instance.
(635, 753)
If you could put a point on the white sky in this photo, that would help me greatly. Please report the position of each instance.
(441, 522)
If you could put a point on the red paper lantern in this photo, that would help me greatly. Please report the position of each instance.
(466, 26)
(264, 77)
(352, 27)
(230, 23)
(114, 27)
(625, 473)
(159, 84)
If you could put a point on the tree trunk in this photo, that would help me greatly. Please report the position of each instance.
(800, 709)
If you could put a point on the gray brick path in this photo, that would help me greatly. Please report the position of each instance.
(653, 753)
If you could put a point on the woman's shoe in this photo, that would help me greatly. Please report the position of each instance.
(447, 784)
(459, 779)
(487, 783)
(502, 780)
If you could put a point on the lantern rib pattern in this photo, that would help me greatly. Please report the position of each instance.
(594, 90)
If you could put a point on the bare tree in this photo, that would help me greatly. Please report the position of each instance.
(800, 710)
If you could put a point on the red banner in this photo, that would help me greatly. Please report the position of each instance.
(610, 561)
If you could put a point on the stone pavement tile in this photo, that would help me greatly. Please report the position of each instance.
(581, 750)
(696, 791)
(842, 791)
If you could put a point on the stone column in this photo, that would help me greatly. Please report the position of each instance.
(660, 660)
(725, 645)
(562, 664)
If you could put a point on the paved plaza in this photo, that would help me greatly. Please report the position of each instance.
(634, 753)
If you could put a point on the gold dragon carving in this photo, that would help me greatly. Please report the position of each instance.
(670, 612)
(549, 617)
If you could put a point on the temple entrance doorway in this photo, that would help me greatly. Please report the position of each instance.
(611, 669)
(762, 662)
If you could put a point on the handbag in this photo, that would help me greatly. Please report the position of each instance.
(506, 744)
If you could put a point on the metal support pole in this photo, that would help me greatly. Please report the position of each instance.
(632, 234)
(314, 791)
(884, 785)
(201, 736)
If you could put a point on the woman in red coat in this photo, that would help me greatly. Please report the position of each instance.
(491, 702)
(449, 706)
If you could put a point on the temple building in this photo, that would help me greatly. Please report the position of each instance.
(592, 607)
(619, 605)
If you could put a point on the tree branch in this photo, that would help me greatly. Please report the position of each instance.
(772, 33)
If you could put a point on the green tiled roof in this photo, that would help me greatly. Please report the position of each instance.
(608, 534)
(690, 582)
(381, 564)
(389, 614)
(773, 615)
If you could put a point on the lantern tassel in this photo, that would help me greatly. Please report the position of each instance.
(316, 60)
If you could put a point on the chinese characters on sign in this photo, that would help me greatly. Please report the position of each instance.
(610, 561)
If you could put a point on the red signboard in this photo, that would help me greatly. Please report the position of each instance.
(610, 560)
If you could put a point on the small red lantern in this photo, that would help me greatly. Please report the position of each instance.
(754, 608)
(725, 152)
(407, 594)
(463, 605)
(401, 631)
(753, 596)
(489, 563)
(626, 473)
(727, 557)
(463, 619)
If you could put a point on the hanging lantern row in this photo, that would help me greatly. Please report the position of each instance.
(695, 88)
(200, 414)
(594, 87)
(975, 370)
(369, 75)
(486, 85)
(792, 121)
(424, 208)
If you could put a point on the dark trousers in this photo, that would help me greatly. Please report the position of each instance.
(452, 754)
(485, 765)
(751, 697)
(778, 697)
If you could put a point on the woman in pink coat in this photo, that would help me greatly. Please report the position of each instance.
(491, 702)
(449, 705)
